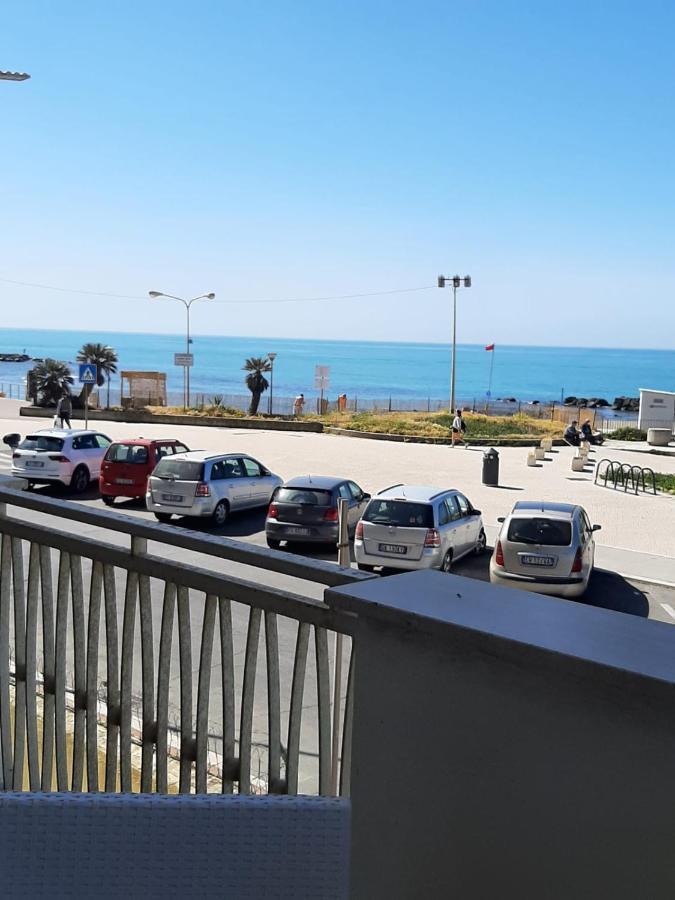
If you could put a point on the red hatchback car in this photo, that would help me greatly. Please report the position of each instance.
(127, 465)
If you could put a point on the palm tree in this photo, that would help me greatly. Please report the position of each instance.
(105, 359)
(52, 380)
(255, 380)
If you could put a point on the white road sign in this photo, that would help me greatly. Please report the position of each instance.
(183, 359)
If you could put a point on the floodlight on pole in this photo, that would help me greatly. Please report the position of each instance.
(271, 356)
(14, 76)
(456, 282)
(154, 295)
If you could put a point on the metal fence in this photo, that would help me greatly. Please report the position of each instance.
(125, 669)
(13, 389)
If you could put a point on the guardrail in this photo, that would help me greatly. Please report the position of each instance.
(624, 474)
(97, 685)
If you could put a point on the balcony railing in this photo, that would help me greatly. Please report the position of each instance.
(134, 658)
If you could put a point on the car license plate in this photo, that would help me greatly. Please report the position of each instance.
(172, 498)
(537, 560)
(297, 530)
(393, 548)
(124, 481)
(34, 464)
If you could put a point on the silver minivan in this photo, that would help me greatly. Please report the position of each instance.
(202, 483)
(417, 527)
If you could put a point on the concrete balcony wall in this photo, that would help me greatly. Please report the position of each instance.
(508, 745)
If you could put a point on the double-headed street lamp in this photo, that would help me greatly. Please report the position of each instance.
(271, 357)
(456, 282)
(187, 303)
(14, 76)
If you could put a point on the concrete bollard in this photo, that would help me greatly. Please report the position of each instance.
(539, 453)
(578, 463)
(531, 458)
(547, 444)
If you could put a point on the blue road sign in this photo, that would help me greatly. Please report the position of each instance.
(488, 394)
(88, 373)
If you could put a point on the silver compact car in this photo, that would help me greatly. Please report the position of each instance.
(417, 527)
(545, 547)
(210, 485)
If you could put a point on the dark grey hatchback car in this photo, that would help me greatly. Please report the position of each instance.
(305, 509)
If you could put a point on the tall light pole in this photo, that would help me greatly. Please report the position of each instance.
(271, 357)
(456, 282)
(187, 304)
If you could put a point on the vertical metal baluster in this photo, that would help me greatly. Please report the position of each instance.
(60, 672)
(230, 761)
(347, 729)
(273, 703)
(80, 685)
(5, 708)
(48, 668)
(163, 679)
(185, 656)
(247, 698)
(148, 678)
(19, 662)
(323, 699)
(295, 715)
(112, 678)
(93, 634)
(128, 633)
(203, 692)
(31, 667)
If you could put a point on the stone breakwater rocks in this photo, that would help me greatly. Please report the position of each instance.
(592, 403)
(627, 404)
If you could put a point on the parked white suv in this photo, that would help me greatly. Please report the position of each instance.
(413, 527)
(69, 457)
(202, 483)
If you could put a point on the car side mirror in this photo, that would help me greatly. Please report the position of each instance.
(501, 519)
(596, 527)
(265, 471)
(12, 440)
(476, 512)
(365, 496)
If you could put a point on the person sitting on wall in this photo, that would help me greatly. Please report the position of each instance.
(587, 433)
(572, 435)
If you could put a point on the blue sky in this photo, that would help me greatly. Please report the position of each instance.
(275, 150)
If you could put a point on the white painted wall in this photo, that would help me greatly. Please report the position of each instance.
(657, 409)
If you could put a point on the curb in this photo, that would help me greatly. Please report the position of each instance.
(419, 439)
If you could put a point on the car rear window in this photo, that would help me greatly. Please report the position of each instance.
(304, 496)
(127, 453)
(551, 532)
(181, 469)
(399, 512)
(41, 442)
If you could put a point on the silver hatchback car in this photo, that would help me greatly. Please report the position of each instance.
(416, 527)
(206, 484)
(545, 547)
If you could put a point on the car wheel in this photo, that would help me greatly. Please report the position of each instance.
(481, 543)
(273, 544)
(109, 501)
(164, 518)
(220, 513)
(363, 567)
(446, 565)
(80, 480)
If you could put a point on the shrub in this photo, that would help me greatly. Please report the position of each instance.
(628, 433)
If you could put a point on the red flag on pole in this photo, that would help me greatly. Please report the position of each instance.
(490, 347)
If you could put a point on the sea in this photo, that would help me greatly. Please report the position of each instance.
(369, 370)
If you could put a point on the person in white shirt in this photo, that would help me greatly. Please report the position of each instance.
(299, 405)
(458, 429)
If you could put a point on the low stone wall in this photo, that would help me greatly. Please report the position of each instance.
(140, 416)
(533, 441)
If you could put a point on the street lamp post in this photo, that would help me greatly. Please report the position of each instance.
(14, 76)
(187, 304)
(456, 282)
(271, 357)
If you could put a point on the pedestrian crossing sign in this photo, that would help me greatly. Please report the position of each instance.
(88, 373)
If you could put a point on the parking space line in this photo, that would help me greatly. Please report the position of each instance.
(669, 609)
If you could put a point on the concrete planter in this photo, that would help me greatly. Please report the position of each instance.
(578, 463)
(659, 437)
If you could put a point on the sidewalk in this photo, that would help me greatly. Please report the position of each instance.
(636, 447)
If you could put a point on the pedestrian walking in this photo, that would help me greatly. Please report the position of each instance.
(299, 405)
(458, 429)
(64, 409)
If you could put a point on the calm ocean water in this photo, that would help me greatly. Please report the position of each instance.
(367, 369)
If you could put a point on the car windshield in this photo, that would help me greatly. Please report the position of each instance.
(399, 512)
(42, 442)
(551, 532)
(127, 453)
(303, 496)
(180, 469)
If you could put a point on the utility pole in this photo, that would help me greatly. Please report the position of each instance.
(456, 282)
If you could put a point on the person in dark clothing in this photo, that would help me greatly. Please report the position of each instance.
(572, 435)
(64, 410)
(587, 434)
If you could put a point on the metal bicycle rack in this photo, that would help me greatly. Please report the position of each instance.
(637, 477)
